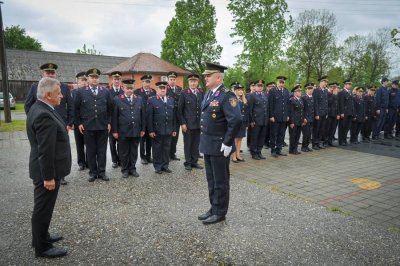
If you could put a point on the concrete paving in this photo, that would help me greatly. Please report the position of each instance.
(329, 207)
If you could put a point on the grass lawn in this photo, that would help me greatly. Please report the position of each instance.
(15, 125)
(19, 107)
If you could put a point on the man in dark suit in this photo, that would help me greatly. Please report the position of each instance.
(278, 113)
(81, 80)
(333, 113)
(370, 110)
(346, 111)
(65, 109)
(174, 91)
(49, 161)
(93, 110)
(382, 103)
(128, 125)
(220, 123)
(306, 129)
(259, 117)
(145, 142)
(296, 119)
(115, 90)
(189, 110)
(160, 119)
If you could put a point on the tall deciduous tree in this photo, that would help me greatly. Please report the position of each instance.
(260, 26)
(313, 44)
(15, 37)
(190, 36)
(351, 56)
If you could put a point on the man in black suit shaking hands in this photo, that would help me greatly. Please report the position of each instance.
(49, 161)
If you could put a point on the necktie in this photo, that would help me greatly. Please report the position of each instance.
(94, 91)
(209, 94)
(129, 99)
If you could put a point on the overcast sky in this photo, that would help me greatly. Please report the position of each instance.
(126, 27)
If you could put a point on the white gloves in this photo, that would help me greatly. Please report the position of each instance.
(226, 149)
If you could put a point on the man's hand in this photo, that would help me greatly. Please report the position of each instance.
(49, 184)
(291, 125)
(115, 135)
(337, 117)
(142, 133)
(184, 128)
(109, 128)
(253, 124)
(317, 117)
(174, 134)
(152, 135)
(272, 119)
(287, 119)
(70, 128)
(226, 149)
(81, 128)
(342, 115)
(378, 112)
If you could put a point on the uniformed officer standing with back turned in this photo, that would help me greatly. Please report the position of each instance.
(160, 119)
(174, 91)
(115, 90)
(220, 123)
(145, 142)
(93, 110)
(189, 110)
(259, 117)
(278, 112)
(128, 126)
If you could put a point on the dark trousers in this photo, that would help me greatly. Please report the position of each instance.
(344, 127)
(390, 121)
(319, 129)
(257, 139)
(113, 148)
(267, 135)
(277, 135)
(191, 140)
(174, 141)
(398, 125)
(80, 146)
(331, 125)
(367, 128)
(128, 153)
(217, 173)
(248, 138)
(145, 146)
(306, 129)
(355, 130)
(294, 136)
(380, 122)
(96, 149)
(43, 205)
(161, 146)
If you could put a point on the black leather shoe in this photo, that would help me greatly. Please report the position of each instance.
(261, 157)
(284, 144)
(144, 161)
(304, 149)
(188, 167)
(52, 253)
(255, 157)
(204, 216)
(81, 167)
(158, 172)
(149, 160)
(281, 153)
(315, 148)
(241, 160)
(167, 170)
(134, 173)
(54, 238)
(174, 158)
(92, 178)
(197, 166)
(321, 147)
(214, 219)
(114, 165)
(104, 178)
(63, 181)
(343, 144)
(125, 175)
(309, 150)
(234, 161)
(274, 154)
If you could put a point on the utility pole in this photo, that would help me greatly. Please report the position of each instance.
(4, 75)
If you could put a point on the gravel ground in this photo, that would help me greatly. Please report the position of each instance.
(152, 220)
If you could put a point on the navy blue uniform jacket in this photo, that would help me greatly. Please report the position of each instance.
(128, 118)
(160, 116)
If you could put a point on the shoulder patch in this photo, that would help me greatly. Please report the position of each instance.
(233, 102)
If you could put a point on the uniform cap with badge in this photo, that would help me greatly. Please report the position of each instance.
(212, 68)
(81, 75)
(193, 77)
(333, 84)
(296, 87)
(347, 81)
(309, 85)
(49, 67)
(146, 78)
(116, 74)
(281, 78)
(323, 78)
(128, 83)
(238, 86)
(93, 72)
(172, 74)
(162, 84)
(270, 84)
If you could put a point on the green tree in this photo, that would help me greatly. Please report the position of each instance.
(395, 34)
(260, 26)
(190, 36)
(85, 50)
(235, 74)
(313, 43)
(351, 56)
(15, 37)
